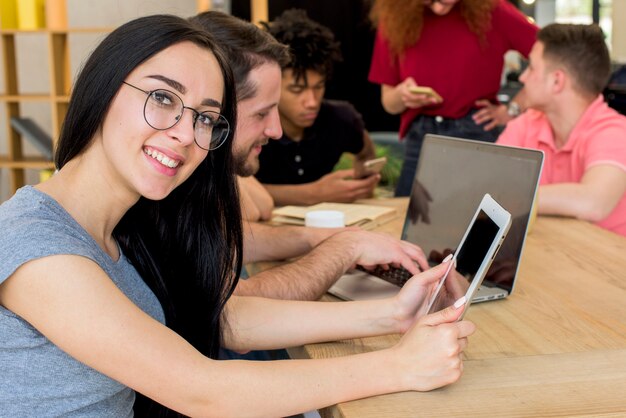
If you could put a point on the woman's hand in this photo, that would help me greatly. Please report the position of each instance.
(430, 354)
(396, 99)
(454, 288)
(411, 302)
(414, 100)
(491, 115)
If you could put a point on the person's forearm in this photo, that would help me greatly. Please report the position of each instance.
(573, 200)
(308, 278)
(292, 194)
(271, 243)
(299, 280)
(261, 324)
(256, 202)
(302, 385)
(262, 200)
(520, 99)
(391, 100)
(249, 212)
(262, 210)
(369, 150)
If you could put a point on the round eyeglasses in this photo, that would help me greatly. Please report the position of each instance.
(164, 109)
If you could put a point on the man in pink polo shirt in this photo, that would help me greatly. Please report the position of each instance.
(584, 141)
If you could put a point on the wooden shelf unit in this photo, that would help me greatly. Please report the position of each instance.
(57, 97)
(15, 162)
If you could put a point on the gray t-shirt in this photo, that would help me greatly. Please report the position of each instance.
(36, 377)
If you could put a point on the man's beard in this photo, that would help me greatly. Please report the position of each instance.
(244, 167)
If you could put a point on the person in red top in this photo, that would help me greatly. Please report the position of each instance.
(583, 140)
(457, 48)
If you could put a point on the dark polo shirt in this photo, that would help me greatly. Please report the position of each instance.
(338, 128)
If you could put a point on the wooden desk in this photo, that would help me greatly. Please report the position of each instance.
(556, 347)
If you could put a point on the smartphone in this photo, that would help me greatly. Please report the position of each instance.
(427, 91)
(371, 167)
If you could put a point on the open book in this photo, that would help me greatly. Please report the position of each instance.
(365, 216)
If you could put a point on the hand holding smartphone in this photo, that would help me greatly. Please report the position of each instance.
(371, 167)
(428, 91)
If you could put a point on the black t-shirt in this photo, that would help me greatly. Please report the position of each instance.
(338, 128)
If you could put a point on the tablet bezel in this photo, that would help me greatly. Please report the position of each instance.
(502, 219)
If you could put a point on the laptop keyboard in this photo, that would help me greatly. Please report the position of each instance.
(396, 275)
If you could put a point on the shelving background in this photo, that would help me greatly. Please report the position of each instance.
(38, 66)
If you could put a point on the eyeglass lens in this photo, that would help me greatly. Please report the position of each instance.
(163, 109)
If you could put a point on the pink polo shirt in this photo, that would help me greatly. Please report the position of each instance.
(598, 138)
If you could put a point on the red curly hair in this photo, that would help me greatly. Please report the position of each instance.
(405, 18)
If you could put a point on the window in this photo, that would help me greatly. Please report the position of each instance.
(582, 11)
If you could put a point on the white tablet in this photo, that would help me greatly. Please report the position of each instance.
(473, 256)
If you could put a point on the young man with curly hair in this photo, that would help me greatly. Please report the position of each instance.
(297, 169)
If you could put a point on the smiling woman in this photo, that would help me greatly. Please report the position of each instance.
(127, 216)
(116, 274)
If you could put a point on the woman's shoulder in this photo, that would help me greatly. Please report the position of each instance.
(34, 226)
(31, 209)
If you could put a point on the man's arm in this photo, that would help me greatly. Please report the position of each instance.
(305, 279)
(271, 243)
(256, 202)
(368, 152)
(338, 186)
(309, 277)
(593, 199)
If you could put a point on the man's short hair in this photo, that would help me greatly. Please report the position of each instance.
(246, 46)
(312, 45)
(582, 50)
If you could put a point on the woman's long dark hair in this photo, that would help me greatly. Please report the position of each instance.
(188, 246)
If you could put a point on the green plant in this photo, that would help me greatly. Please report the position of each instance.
(391, 171)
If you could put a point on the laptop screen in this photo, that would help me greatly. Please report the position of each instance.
(452, 177)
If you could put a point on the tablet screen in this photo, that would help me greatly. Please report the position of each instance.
(473, 251)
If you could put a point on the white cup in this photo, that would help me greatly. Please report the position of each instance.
(325, 219)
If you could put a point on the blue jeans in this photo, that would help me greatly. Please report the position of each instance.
(463, 127)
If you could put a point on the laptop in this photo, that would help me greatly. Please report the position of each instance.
(453, 175)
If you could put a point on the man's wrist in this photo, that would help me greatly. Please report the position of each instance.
(513, 109)
(315, 236)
